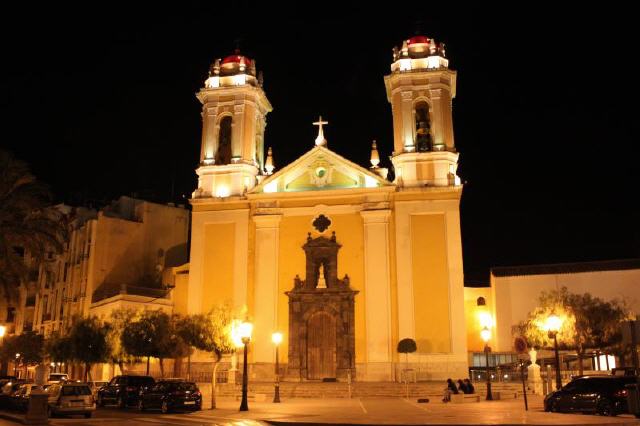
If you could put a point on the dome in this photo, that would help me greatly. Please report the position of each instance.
(236, 59)
(420, 46)
(418, 40)
(236, 64)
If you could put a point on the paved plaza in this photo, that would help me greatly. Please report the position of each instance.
(361, 411)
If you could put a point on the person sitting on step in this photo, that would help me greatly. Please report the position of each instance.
(450, 389)
(470, 388)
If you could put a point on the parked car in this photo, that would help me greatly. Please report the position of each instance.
(96, 385)
(71, 398)
(171, 395)
(604, 395)
(123, 390)
(7, 391)
(20, 399)
(57, 378)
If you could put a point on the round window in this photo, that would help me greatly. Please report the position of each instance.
(321, 171)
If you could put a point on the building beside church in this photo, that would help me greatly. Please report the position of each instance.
(341, 260)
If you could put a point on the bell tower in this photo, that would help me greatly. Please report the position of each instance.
(234, 109)
(420, 89)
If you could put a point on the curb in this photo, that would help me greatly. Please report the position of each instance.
(291, 423)
(12, 417)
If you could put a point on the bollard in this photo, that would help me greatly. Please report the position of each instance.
(37, 411)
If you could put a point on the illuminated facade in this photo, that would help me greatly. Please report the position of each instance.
(341, 260)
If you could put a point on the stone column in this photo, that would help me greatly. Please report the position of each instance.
(377, 294)
(437, 119)
(237, 132)
(266, 286)
(408, 126)
(209, 134)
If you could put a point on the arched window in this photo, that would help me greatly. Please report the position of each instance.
(223, 155)
(423, 127)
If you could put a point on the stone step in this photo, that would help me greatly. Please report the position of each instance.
(358, 389)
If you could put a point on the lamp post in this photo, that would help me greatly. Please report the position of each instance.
(15, 366)
(245, 330)
(276, 338)
(485, 333)
(553, 325)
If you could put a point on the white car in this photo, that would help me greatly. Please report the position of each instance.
(57, 378)
(71, 398)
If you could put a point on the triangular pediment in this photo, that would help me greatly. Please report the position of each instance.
(320, 169)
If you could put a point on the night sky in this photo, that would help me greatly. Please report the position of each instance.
(101, 103)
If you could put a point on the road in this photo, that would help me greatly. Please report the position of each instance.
(363, 411)
(132, 417)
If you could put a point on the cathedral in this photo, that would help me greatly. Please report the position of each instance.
(340, 259)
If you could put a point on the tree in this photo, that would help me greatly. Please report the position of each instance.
(25, 224)
(152, 335)
(89, 343)
(589, 322)
(407, 346)
(119, 319)
(211, 333)
(194, 331)
(172, 345)
(29, 345)
(58, 348)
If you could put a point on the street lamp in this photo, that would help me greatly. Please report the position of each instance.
(244, 331)
(276, 338)
(15, 366)
(553, 325)
(485, 333)
(3, 330)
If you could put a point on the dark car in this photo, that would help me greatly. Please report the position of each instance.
(20, 398)
(604, 395)
(171, 395)
(123, 390)
(8, 390)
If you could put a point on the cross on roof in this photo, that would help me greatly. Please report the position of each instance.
(320, 140)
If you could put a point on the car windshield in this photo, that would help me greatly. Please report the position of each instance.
(182, 386)
(76, 390)
(53, 377)
(138, 381)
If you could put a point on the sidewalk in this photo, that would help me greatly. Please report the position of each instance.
(383, 411)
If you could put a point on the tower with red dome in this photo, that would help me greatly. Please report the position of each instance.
(420, 89)
(234, 109)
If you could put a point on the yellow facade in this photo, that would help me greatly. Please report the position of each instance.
(399, 242)
(428, 253)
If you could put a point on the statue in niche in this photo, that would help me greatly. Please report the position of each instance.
(223, 154)
(321, 281)
(423, 128)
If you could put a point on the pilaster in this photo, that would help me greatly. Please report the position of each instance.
(266, 285)
(377, 293)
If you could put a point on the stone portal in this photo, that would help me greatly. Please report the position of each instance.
(321, 317)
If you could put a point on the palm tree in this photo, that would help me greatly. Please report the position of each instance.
(27, 226)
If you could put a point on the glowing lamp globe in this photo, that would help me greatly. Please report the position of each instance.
(276, 338)
(485, 334)
(244, 331)
(553, 323)
(3, 329)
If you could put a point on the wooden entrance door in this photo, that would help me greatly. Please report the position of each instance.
(321, 346)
